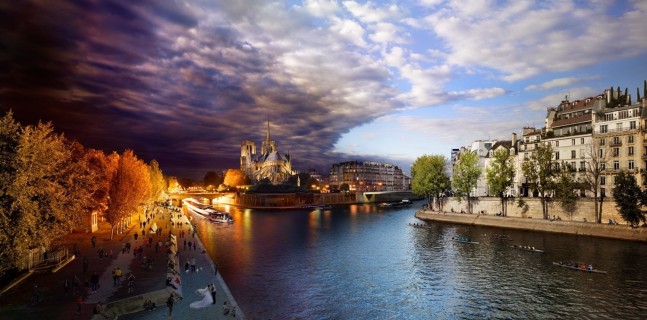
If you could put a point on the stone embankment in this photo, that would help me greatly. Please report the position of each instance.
(568, 227)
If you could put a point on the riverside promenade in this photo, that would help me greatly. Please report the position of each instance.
(623, 232)
(59, 302)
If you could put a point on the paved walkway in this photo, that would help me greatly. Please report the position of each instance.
(59, 303)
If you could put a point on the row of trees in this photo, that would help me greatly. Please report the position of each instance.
(549, 179)
(49, 184)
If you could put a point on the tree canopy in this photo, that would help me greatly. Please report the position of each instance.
(539, 172)
(500, 175)
(235, 178)
(629, 198)
(429, 178)
(465, 175)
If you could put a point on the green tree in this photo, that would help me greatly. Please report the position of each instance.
(465, 175)
(596, 162)
(500, 176)
(565, 186)
(130, 187)
(539, 172)
(429, 178)
(212, 180)
(628, 197)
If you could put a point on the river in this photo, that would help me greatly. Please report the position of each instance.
(366, 262)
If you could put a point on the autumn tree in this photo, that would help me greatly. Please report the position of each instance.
(597, 154)
(235, 178)
(10, 132)
(129, 188)
(429, 178)
(500, 176)
(465, 176)
(539, 172)
(157, 181)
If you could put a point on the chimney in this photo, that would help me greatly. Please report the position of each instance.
(514, 139)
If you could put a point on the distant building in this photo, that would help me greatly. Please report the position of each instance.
(268, 164)
(368, 176)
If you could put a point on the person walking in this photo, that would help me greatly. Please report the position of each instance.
(131, 282)
(212, 290)
(169, 303)
(76, 283)
(94, 281)
(136, 235)
(192, 264)
(85, 264)
(94, 241)
(79, 304)
(36, 297)
(118, 275)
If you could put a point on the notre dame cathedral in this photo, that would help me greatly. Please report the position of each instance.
(268, 164)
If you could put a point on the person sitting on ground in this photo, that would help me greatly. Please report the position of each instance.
(149, 305)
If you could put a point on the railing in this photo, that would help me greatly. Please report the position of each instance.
(616, 130)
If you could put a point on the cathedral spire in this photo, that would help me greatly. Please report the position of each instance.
(267, 137)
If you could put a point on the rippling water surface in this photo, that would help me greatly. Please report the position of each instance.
(365, 262)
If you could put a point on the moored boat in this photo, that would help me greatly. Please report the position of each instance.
(579, 267)
(463, 239)
(402, 203)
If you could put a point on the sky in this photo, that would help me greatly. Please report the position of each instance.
(184, 82)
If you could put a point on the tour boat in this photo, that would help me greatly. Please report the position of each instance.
(577, 267)
(207, 212)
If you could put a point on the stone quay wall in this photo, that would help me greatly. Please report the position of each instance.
(532, 208)
(569, 227)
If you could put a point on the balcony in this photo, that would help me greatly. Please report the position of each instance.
(615, 144)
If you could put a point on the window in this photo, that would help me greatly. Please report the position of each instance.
(582, 165)
(616, 165)
(556, 143)
(581, 140)
(573, 154)
(603, 180)
(631, 165)
(603, 166)
(616, 152)
(632, 125)
(619, 126)
(602, 142)
(630, 139)
(600, 153)
(604, 128)
(557, 155)
(631, 151)
(616, 140)
(572, 142)
(603, 192)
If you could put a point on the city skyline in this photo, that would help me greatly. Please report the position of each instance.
(185, 83)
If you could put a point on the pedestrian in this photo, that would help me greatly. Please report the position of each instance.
(36, 297)
(169, 303)
(66, 286)
(114, 277)
(186, 266)
(79, 304)
(85, 264)
(194, 245)
(192, 264)
(94, 241)
(184, 244)
(215, 267)
(76, 283)
(131, 282)
(189, 245)
(94, 281)
(118, 274)
(225, 309)
(212, 289)
(136, 235)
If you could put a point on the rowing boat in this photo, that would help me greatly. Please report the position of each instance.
(573, 267)
(526, 248)
(465, 240)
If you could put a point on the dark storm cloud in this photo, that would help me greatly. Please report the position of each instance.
(181, 84)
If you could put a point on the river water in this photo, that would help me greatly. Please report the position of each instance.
(366, 262)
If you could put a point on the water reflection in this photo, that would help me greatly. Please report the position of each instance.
(365, 262)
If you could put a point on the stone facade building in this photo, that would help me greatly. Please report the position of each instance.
(368, 176)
